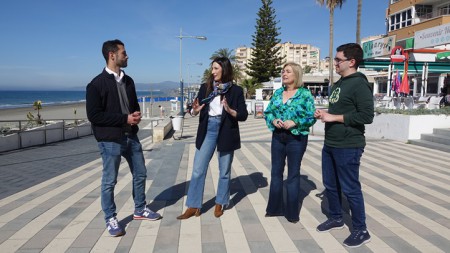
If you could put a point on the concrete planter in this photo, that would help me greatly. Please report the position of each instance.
(9, 142)
(398, 126)
(52, 132)
(405, 127)
(77, 131)
(43, 134)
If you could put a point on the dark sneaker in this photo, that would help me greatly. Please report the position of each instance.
(114, 227)
(357, 238)
(146, 214)
(330, 224)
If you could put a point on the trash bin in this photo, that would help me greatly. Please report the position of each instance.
(177, 123)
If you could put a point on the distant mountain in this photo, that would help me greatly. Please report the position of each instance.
(162, 86)
(165, 87)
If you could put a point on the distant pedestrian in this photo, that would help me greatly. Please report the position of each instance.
(351, 106)
(221, 105)
(113, 109)
(289, 116)
(162, 111)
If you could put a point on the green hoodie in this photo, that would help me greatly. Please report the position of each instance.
(352, 97)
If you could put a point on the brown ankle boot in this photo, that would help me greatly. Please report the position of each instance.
(189, 213)
(218, 211)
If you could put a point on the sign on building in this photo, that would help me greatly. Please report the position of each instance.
(378, 47)
(435, 36)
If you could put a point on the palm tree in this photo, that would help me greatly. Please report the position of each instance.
(358, 22)
(206, 74)
(331, 5)
(37, 105)
(250, 86)
(224, 52)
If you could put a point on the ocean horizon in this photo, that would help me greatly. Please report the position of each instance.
(21, 99)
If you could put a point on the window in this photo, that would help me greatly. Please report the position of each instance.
(424, 11)
(400, 20)
(444, 9)
(394, 1)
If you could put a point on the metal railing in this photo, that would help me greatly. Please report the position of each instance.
(434, 14)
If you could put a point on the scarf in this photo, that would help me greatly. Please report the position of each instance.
(219, 89)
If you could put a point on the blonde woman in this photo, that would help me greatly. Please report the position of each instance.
(289, 115)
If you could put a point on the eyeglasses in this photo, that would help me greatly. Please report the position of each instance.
(338, 61)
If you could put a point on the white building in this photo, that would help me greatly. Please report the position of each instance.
(303, 54)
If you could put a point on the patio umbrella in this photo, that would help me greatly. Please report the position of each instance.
(396, 83)
(404, 86)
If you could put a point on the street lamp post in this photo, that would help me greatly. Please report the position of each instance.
(181, 37)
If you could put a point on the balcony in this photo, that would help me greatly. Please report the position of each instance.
(434, 14)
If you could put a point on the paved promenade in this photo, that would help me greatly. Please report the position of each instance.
(50, 199)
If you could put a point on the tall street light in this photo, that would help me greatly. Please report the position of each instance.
(181, 37)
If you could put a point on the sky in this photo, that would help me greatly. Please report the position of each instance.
(56, 44)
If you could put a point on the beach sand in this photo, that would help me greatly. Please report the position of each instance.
(67, 111)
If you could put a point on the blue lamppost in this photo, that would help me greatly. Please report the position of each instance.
(181, 37)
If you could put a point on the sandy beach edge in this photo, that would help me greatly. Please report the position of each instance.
(66, 111)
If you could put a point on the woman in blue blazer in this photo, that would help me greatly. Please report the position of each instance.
(221, 105)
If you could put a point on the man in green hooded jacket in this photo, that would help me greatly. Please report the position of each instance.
(350, 108)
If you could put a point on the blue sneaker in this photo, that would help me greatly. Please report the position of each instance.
(114, 227)
(357, 238)
(146, 214)
(330, 224)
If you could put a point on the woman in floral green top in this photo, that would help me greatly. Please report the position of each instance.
(289, 116)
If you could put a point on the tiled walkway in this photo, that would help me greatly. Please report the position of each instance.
(50, 200)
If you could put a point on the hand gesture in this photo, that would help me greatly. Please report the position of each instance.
(196, 107)
(227, 108)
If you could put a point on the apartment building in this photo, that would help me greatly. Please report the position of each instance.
(243, 55)
(303, 54)
(406, 17)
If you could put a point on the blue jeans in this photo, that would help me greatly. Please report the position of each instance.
(201, 162)
(340, 173)
(286, 145)
(130, 148)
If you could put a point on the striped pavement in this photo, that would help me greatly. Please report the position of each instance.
(406, 190)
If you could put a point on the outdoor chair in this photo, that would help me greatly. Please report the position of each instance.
(422, 102)
(409, 103)
(434, 102)
(396, 103)
(384, 102)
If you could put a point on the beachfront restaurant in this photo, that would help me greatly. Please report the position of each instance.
(425, 78)
(421, 69)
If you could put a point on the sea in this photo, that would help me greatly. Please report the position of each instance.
(21, 99)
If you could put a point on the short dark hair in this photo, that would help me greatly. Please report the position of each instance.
(352, 51)
(110, 46)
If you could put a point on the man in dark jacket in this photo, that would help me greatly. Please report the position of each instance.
(113, 110)
(351, 106)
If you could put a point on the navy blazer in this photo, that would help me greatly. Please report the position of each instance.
(229, 138)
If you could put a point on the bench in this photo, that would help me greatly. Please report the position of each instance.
(161, 130)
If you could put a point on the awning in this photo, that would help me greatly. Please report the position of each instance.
(443, 56)
(413, 67)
